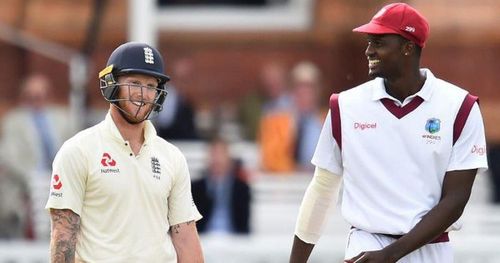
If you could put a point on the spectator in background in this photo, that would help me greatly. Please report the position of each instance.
(274, 79)
(270, 95)
(31, 135)
(13, 205)
(494, 163)
(276, 131)
(176, 120)
(306, 88)
(490, 110)
(222, 195)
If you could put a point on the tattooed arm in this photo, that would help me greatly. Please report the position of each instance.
(186, 242)
(65, 227)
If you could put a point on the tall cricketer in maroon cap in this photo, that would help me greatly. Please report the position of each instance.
(395, 37)
(400, 19)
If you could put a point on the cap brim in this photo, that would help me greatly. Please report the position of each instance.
(373, 28)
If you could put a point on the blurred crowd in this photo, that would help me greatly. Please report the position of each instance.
(283, 116)
(31, 134)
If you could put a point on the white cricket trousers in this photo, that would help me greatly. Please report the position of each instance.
(359, 241)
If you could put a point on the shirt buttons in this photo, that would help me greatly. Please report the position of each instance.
(131, 154)
(126, 144)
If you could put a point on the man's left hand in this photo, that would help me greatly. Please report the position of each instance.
(378, 256)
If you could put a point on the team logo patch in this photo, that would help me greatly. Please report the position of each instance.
(148, 55)
(56, 182)
(433, 125)
(155, 168)
(107, 160)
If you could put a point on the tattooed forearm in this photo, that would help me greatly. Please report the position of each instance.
(65, 227)
(175, 229)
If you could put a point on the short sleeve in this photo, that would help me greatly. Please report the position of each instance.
(327, 154)
(469, 151)
(180, 202)
(69, 176)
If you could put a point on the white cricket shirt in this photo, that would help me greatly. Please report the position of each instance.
(126, 203)
(394, 159)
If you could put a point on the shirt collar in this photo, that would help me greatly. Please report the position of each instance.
(425, 92)
(149, 132)
(112, 130)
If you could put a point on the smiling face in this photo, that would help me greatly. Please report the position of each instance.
(137, 96)
(385, 54)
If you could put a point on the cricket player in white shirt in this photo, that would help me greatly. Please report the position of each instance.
(120, 193)
(406, 146)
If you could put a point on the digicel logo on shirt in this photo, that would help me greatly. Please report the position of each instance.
(363, 126)
(478, 149)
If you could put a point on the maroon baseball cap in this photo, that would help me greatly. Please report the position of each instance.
(401, 19)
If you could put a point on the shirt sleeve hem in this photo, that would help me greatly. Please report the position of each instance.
(195, 218)
(76, 211)
(481, 167)
(332, 168)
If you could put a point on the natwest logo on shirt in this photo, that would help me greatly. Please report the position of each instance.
(56, 186)
(107, 160)
(56, 182)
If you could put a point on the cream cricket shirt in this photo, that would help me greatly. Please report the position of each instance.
(126, 203)
(394, 159)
